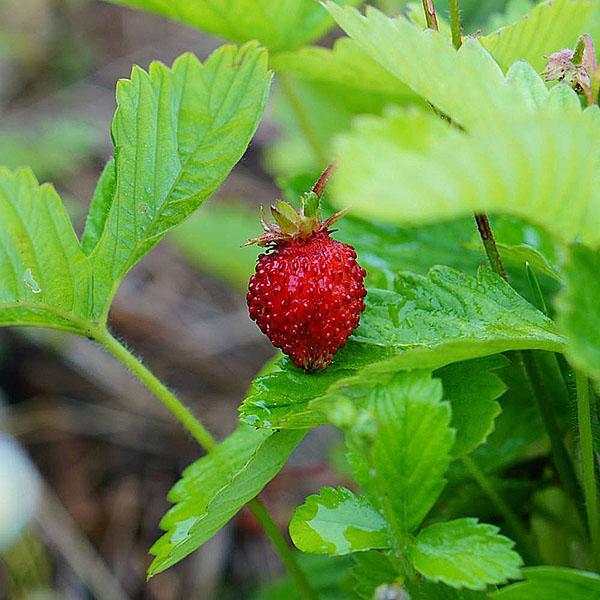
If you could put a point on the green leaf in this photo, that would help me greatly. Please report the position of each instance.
(425, 322)
(552, 583)
(517, 427)
(327, 576)
(578, 309)
(465, 553)
(400, 448)
(521, 254)
(467, 85)
(45, 278)
(337, 521)
(548, 27)
(178, 133)
(371, 570)
(502, 168)
(472, 389)
(213, 489)
(346, 65)
(281, 25)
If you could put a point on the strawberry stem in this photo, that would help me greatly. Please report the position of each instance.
(430, 16)
(455, 23)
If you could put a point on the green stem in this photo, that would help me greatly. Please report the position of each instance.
(430, 16)
(455, 23)
(587, 462)
(285, 552)
(562, 461)
(206, 441)
(181, 412)
(303, 119)
(518, 531)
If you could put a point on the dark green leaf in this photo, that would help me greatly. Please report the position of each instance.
(472, 389)
(426, 322)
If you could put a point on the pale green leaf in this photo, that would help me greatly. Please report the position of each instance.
(425, 322)
(579, 310)
(214, 488)
(178, 133)
(540, 169)
(400, 447)
(548, 27)
(552, 583)
(337, 521)
(465, 553)
(472, 389)
(467, 85)
(281, 25)
(45, 278)
(346, 65)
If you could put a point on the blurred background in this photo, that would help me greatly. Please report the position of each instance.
(86, 455)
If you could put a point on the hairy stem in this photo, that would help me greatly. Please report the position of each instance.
(587, 462)
(489, 244)
(285, 552)
(455, 23)
(303, 118)
(519, 533)
(562, 461)
(195, 427)
(179, 410)
(430, 16)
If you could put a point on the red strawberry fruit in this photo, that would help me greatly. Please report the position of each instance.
(307, 292)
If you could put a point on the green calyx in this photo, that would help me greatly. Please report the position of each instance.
(289, 222)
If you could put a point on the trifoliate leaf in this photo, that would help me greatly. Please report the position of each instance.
(425, 322)
(281, 25)
(552, 583)
(548, 27)
(213, 489)
(45, 279)
(540, 169)
(400, 448)
(579, 311)
(465, 553)
(178, 133)
(337, 521)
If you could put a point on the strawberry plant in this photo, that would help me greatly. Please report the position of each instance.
(467, 397)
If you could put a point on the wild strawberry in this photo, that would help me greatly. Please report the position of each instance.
(307, 292)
